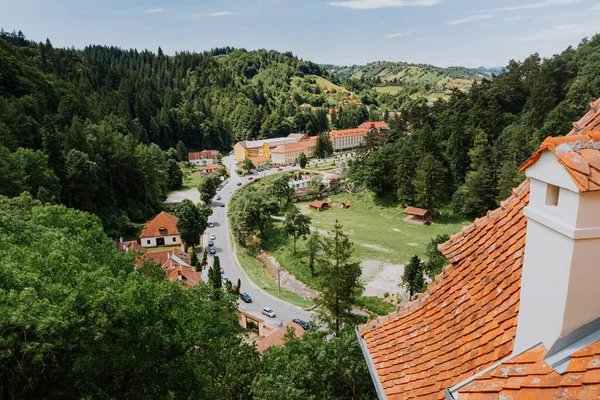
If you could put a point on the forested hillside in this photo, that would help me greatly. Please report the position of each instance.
(96, 129)
(465, 152)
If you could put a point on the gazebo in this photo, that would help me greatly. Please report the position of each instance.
(417, 215)
(346, 204)
(319, 205)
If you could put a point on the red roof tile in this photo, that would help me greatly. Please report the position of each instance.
(203, 155)
(536, 379)
(164, 224)
(348, 132)
(416, 211)
(374, 125)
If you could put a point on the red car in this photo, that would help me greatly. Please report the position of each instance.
(250, 178)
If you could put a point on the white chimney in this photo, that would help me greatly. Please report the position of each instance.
(560, 286)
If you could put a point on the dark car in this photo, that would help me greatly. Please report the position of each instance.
(246, 297)
(211, 224)
(303, 324)
(222, 204)
(239, 183)
(212, 250)
(211, 243)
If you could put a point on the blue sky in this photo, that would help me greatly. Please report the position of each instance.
(439, 32)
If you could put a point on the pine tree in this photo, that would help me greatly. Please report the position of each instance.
(429, 182)
(340, 277)
(214, 275)
(204, 261)
(302, 160)
(314, 246)
(412, 278)
(194, 261)
(480, 183)
(182, 152)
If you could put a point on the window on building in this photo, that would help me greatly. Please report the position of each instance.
(174, 239)
(552, 193)
(148, 241)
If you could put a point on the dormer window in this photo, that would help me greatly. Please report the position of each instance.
(552, 193)
(162, 229)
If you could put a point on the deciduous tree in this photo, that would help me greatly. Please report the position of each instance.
(296, 224)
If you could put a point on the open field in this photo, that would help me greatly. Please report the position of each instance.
(191, 178)
(378, 229)
(388, 89)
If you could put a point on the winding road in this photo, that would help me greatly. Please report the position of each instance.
(225, 250)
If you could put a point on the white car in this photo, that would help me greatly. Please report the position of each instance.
(213, 236)
(268, 312)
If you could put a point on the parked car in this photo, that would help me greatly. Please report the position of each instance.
(212, 250)
(225, 279)
(211, 243)
(222, 204)
(302, 323)
(246, 297)
(239, 183)
(250, 178)
(213, 236)
(218, 197)
(268, 312)
(211, 224)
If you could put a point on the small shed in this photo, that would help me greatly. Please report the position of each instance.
(346, 205)
(417, 215)
(319, 205)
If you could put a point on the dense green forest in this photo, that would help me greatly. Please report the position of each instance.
(465, 152)
(96, 129)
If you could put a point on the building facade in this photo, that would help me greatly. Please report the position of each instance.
(289, 153)
(348, 138)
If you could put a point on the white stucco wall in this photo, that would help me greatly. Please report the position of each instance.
(169, 241)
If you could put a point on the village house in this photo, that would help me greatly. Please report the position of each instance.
(374, 125)
(301, 183)
(417, 215)
(204, 157)
(348, 138)
(160, 231)
(174, 262)
(516, 314)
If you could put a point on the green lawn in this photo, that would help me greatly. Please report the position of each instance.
(388, 89)
(377, 227)
(163, 248)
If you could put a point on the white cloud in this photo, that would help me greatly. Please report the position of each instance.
(373, 4)
(470, 18)
(215, 14)
(562, 33)
(394, 35)
(517, 18)
(155, 10)
(529, 6)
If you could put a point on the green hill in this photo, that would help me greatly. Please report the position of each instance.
(387, 73)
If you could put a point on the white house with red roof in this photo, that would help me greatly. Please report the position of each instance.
(160, 231)
(516, 314)
(204, 157)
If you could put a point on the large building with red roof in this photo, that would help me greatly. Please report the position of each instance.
(516, 314)
(374, 125)
(348, 138)
(204, 157)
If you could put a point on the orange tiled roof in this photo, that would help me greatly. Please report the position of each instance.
(299, 146)
(348, 132)
(276, 338)
(530, 377)
(579, 151)
(174, 271)
(203, 155)
(466, 320)
(162, 220)
(132, 245)
(256, 160)
(374, 125)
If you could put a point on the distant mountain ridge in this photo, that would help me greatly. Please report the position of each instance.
(388, 72)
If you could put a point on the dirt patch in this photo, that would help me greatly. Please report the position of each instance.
(288, 280)
(396, 230)
(374, 247)
(413, 244)
(380, 277)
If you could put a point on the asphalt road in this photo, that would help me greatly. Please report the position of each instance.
(284, 310)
